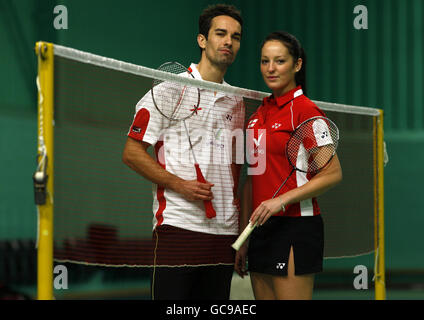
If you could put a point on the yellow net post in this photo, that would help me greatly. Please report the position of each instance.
(44, 52)
(380, 286)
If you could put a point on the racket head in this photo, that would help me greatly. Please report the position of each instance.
(175, 101)
(312, 145)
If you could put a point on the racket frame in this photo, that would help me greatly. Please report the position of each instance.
(210, 211)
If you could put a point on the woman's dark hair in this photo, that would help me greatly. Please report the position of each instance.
(205, 19)
(295, 50)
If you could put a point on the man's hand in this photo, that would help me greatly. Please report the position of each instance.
(135, 155)
(193, 190)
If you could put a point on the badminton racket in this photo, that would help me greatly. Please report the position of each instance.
(178, 102)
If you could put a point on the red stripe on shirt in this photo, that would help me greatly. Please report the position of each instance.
(160, 192)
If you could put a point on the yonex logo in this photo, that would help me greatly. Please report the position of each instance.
(280, 266)
(276, 125)
(229, 117)
(136, 129)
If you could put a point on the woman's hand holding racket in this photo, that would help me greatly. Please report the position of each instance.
(261, 214)
(265, 210)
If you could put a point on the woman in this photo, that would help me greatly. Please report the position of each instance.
(286, 250)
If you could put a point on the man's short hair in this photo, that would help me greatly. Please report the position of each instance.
(205, 19)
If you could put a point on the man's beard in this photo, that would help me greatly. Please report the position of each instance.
(223, 62)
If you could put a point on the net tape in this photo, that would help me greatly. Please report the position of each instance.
(101, 61)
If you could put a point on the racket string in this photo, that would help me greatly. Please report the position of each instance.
(175, 101)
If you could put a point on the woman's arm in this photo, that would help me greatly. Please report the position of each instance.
(330, 176)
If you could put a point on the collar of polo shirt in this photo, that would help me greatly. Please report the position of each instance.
(289, 96)
(195, 72)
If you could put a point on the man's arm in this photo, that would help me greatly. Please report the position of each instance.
(136, 157)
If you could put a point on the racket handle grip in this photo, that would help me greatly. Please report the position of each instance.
(210, 211)
(243, 236)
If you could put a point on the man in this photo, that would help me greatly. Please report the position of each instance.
(193, 258)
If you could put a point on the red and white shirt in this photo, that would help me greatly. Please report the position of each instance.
(270, 128)
(211, 130)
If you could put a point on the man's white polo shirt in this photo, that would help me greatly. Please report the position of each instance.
(215, 129)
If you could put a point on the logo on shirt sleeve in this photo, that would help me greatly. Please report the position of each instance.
(139, 126)
(321, 133)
